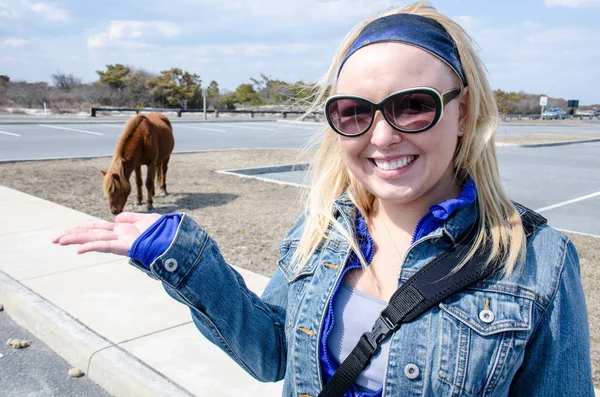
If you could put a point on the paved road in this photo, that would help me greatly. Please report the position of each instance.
(37, 371)
(39, 140)
(50, 141)
(521, 129)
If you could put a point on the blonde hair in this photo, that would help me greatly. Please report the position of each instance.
(475, 156)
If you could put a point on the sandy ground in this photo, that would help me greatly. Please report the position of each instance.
(246, 217)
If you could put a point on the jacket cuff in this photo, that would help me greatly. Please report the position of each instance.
(182, 255)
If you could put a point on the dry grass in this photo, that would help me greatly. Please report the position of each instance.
(246, 217)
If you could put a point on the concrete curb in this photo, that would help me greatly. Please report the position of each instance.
(114, 369)
(534, 145)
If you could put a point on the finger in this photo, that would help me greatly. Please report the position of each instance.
(90, 226)
(87, 236)
(57, 238)
(113, 247)
(96, 225)
(87, 227)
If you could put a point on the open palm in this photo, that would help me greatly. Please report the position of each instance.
(113, 237)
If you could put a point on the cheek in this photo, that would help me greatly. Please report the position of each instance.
(352, 148)
(441, 146)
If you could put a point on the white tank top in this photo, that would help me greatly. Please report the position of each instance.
(355, 313)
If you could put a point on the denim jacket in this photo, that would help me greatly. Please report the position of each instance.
(533, 340)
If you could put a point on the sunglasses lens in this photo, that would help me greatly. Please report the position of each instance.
(350, 116)
(411, 111)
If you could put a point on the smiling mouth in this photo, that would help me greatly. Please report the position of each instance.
(394, 164)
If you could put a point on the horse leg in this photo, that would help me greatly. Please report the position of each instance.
(150, 185)
(139, 184)
(163, 175)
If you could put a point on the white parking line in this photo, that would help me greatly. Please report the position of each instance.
(200, 128)
(295, 126)
(112, 125)
(574, 232)
(69, 129)
(9, 133)
(575, 200)
(247, 127)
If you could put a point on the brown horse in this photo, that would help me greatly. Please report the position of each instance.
(147, 140)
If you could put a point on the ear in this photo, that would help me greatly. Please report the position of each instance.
(103, 172)
(463, 110)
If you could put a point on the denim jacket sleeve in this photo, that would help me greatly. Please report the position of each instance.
(557, 358)
(249, 329)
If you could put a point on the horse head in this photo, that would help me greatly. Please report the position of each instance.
(117, 188)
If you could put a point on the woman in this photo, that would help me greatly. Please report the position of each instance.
(406, 167)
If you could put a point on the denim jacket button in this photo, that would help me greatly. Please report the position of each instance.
(171, 264)
(487, 316)
(411, 371)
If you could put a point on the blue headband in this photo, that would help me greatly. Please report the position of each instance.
(411, 29)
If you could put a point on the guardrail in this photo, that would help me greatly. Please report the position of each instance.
(537, 116)
(179, 112)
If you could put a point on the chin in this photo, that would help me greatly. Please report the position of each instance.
(394, 194)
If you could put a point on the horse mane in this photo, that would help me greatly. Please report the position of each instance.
(110, 184)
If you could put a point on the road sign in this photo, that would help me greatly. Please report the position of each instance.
(543, 100)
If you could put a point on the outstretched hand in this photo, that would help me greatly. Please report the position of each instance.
(113, 237)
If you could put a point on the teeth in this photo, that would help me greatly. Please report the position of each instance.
(394, 165)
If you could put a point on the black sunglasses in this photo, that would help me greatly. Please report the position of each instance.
(412, 110)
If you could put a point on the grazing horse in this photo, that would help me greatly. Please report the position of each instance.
(147, 140)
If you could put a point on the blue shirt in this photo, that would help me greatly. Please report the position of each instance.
(155, 240)
(432, 220)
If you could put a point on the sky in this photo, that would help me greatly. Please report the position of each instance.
(549, 47)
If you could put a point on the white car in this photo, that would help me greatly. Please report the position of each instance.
(554, 113)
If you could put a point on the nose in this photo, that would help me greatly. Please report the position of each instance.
(114, 212)
(382, 133)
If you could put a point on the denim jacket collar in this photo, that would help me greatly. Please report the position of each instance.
(457, 224)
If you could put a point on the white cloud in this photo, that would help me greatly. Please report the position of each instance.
(124, 33)
(468, 23)
(50, 12)
(311, 11)
(23, 8)
(254, 49)
(12, 42)
(566, 38)
(6, 11)
(572, 3)
(137, 29)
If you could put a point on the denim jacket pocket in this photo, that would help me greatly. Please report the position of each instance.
(288, 267)
(483, 334)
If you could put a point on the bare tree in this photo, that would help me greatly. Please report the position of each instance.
(65, 81)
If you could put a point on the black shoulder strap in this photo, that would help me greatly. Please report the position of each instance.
(426, 288)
